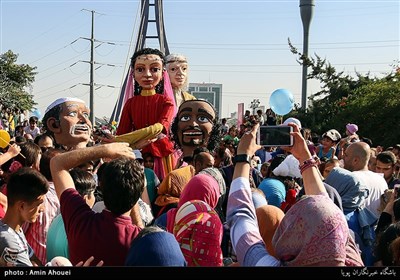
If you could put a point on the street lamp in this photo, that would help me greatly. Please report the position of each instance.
(306, 12)
(254, 105)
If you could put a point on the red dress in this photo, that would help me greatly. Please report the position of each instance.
(143, 111)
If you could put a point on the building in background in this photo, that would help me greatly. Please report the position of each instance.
(210, 92)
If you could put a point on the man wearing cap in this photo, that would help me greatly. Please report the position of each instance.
(67, 121)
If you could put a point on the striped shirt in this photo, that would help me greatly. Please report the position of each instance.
(36, 233)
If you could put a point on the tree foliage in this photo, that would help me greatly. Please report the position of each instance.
(15, 80)
(370, 102)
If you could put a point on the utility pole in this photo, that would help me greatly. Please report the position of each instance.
(91, 83)
(306, 12)
(92, 118)
(92, 63)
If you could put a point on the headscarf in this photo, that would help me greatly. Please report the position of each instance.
(155, 249)
(258, 198)
(274, 191)
(268, 217)
(172, 185)
(214, 172)
(201, 187)
(198, 230)
(314, 232)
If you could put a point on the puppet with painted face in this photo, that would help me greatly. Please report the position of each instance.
(149, 109)
(177, 68)
(195, 125)
(67, 121)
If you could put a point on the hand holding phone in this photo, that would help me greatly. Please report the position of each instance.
(277, 135)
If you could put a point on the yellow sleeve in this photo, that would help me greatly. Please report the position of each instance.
(149, 132)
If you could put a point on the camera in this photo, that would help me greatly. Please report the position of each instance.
(275, 135)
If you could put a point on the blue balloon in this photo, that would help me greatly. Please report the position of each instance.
(281, 101)
(36, 113)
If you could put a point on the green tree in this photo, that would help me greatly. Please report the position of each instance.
(375, 107)
(15, 80)
(373, 103)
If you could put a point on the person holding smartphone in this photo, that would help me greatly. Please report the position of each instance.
(333, 247)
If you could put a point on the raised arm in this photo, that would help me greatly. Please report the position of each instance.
(12, 152)
(311, 177)
(62, 163)
(241, 214)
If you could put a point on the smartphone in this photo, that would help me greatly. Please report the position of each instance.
(275, 135)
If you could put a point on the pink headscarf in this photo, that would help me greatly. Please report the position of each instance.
(198, 230)
(314, 232)
(201, 187)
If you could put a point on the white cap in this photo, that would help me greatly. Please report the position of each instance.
(292, 120)
(62, 100)
(138, 154)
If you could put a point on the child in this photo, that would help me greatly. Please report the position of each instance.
(351, 132)
(26, 190)
(328, 144)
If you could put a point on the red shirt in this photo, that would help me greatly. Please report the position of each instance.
(103, 235)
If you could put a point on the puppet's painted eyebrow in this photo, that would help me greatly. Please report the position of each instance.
(207, 113)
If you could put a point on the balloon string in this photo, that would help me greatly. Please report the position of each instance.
(8, 144)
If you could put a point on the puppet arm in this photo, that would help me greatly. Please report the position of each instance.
(146, 133)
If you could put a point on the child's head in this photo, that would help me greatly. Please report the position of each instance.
(264, 169)
(85, 184)
(148, 160)
(329, 165)
(351, 129)
(330, 138)
(122, 184)
(27, 187)
(33, 122)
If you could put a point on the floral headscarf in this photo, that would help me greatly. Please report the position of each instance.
(198, 230)
(314, 232)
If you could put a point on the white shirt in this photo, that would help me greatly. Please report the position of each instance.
(376, 186)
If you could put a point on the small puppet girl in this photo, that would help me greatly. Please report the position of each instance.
(149, 110)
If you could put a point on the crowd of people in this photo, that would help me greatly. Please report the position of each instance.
(175, 186)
